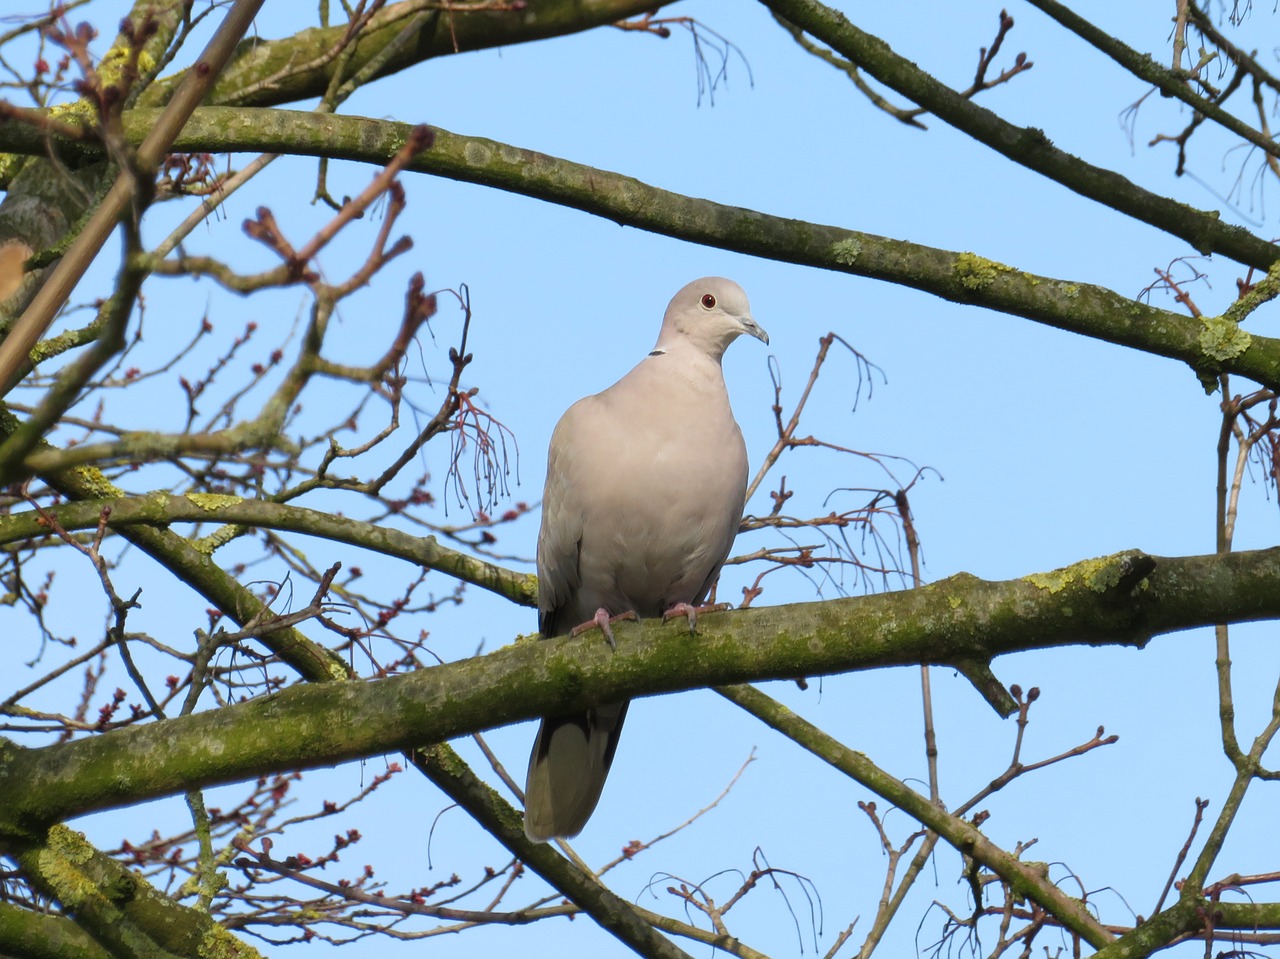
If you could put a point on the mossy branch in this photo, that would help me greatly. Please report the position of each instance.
(1096, 602)
(299, 67)
(1027, 146)
(961, 277)
(317, 664)
(118, 908)
(25, 934)
(1145, 67)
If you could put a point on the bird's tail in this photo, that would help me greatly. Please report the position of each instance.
(567, 770)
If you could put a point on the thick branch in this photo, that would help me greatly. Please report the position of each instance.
(34, 935)
(1102, 601)
(1209, 346)
(122, 911)
(317, 664)
(277, 71)
(1027, 146)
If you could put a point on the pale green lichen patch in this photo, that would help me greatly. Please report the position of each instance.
(1099, 575)
(846, 251)
(1221, 339)
(976, 272)
(476, 154)
(1102, 574)
(212, 501)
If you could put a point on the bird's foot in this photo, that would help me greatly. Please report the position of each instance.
(604, 622)
(692, 612)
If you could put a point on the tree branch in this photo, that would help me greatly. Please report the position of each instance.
(296, 67)
(962, 835)
(25, 934)
(1145, 67)
(1110, 600)
(121, 911)
(161, 509)
(16, 347)
(1027, 146)
(1209, 345)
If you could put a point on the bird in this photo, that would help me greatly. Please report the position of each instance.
(646, 484)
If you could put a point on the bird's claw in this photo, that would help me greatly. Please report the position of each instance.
(691, 612)
(604, 622)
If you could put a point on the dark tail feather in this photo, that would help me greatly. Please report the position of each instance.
(567, 770)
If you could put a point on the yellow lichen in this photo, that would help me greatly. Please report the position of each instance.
(212, 501)
(10, 166)
(93, 480)
(218, 943)
(976, 272)
(58, 861)
(71, 845)
(111, 72)
(1100, 574)
(1054, 582)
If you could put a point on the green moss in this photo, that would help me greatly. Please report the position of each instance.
(977, 272)
(846, 251)
(1221, 339)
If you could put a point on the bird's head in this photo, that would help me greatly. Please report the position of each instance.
(710, 313)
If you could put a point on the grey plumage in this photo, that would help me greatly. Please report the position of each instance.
(645, 488)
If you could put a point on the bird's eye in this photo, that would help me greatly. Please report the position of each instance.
(708, 301)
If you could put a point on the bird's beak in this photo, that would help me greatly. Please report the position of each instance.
(752, 328)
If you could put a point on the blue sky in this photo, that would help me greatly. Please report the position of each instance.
(1048, 447)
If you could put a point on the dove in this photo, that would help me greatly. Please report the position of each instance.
(646, 484)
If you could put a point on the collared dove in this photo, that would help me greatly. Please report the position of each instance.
(646, 483)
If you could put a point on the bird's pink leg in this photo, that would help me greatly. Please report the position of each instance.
(605, 622)
(692, 612)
